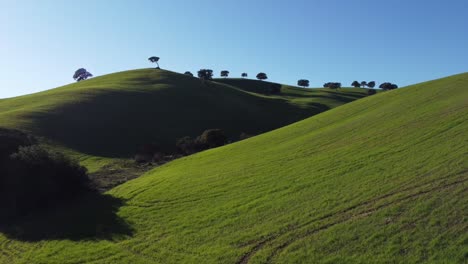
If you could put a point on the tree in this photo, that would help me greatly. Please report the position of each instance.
(81, 74)
(262, 76)
(188, 73)
(32, 177)
(371, 92)
(303, 82)
(388, 86)
(244, 75)
(154, 59)
(371, 84)
(205, 74)
(186, 145)
(212, 138)
(363, 84)
(224, 74)
(356, 84)
(332, 85)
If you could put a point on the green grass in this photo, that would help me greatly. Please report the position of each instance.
(381, 180)
(112, 115)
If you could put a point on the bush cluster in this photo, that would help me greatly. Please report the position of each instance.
(32, 177)
(210, 138)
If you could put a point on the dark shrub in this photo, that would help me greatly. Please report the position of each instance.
(212, 138)
(186, 146)
(11, 140)
(371, 92)
(388, 86)
(35, 178)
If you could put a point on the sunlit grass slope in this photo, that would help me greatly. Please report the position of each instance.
(380, 180)
(112, 115)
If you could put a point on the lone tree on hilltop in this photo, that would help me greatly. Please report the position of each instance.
(356, 84)
(154, 59)
(262, 76)
(244, 75)
(224, 74)
(388, 86)
(371, 84)
(81, 74)
(363, 84)
(188, 73)
(205, 74)
(303, 82)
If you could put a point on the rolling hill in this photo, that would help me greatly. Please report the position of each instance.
(112, 115)
(383, 180)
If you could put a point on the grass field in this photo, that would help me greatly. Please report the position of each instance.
(382, 180)
(112, 115)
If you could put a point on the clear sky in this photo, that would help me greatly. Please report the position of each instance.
(43, 42)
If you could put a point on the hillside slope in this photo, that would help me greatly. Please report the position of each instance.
(383, 179)
(112, 115)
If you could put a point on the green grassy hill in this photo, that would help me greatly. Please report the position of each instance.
(110, 116)
(382, 180)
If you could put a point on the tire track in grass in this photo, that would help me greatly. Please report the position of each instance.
(274, 236)
(365, 213)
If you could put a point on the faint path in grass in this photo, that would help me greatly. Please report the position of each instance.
(348, 215)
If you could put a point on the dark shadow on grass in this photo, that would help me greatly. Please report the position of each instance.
(91, 217)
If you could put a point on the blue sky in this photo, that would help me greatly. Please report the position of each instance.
(43, 42)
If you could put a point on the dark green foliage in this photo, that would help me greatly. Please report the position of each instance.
(304, 83)
(371, 84)
(332, 85)
(244, 75)
(356, 84)
(81, 74)
(34, 178)
(363, 84)
(186, 145)
(10, 141)
(188, 73)
(205, 74)
(388, 86)
(154, 59)
(371, 91)
(262, 76)
(224, 74)
(212, 138)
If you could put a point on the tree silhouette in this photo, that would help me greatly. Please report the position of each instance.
(81, 74)
(388, 86)
(332, 85)
(154, 59)
(224, 74)
(262, 76)
(363, 84)
(244, 75)
(302, 82)
(188, 73)
(371, 84)
(205, 74)
(356, 84)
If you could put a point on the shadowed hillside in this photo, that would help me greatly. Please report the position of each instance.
(113, 115)
(381, 179)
